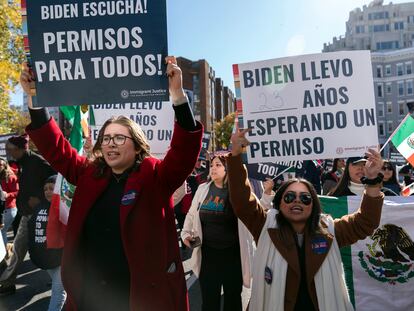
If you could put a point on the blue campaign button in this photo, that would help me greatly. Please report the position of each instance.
(268, 276)
(319, 245)
(129, 197)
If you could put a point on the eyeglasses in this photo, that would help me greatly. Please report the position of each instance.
(118, 139)
(387, 168)
(291, 196)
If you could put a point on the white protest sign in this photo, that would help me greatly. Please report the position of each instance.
(307, 107)
(155, 118)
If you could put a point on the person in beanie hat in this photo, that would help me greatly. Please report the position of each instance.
(21, 141)
(350, 182)
(34, 170)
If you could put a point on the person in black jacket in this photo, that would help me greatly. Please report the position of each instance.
(350, 182)
(41, 256)
(390, 178)
(34, 170)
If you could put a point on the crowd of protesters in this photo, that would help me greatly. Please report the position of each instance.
(127, 203)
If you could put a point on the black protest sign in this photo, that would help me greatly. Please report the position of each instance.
(261, 171)
(98, 52)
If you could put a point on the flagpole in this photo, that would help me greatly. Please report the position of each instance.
(393, 133)
(285, 170)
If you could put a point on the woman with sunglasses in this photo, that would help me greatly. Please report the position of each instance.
(390, 178)
(121, 249)
(222, 255)
(297, 265)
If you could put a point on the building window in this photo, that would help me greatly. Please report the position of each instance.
(400, 69)
(408, 68)
(380, 109)
(388, 88)
(378, 15)
(379, 71)
(409, 87)
(389, 127)
(401, 109)
(389, 107)
(360, 29)
(388, 45)
(379, 90)
(381, 129)
(379, 28)
(399, 25)
(400, 88)
(387, 70)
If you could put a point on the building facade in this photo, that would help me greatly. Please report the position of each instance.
(212, 101)
(377, 27)
(394, 88)
(388, 31)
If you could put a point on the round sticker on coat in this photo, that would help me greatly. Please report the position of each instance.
(129, 197)
(319, 245)
(268, 276)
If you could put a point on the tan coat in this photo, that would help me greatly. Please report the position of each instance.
(348, 230)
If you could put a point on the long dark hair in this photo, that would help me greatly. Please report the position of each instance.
(393, 179)
(223, 161)
(138, 137)
(342, 188)
(335, 165)
(313, 223)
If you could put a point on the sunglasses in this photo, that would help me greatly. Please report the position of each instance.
(387, 168)
(291, 196)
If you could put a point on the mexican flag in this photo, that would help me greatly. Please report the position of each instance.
(379, 270)
(403, 138)
(63, 192)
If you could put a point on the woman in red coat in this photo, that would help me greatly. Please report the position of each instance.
(121, 248)
(9, 189)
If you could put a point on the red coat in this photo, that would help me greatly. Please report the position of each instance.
(12, 189)
(147, 221)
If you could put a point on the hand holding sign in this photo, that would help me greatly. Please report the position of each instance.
(27, 80)
(239, 141)
(175, 79)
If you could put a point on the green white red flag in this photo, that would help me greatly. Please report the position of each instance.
(63, 192)
(379, 270)
(403, 138)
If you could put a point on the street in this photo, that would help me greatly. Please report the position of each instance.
(33, 289)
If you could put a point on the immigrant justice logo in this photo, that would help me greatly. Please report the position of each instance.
(124, 94)
(390, 258)
(410, 141)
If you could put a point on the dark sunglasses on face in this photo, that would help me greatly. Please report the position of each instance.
(291, 196)
(387, 168)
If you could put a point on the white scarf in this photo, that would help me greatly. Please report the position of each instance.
(357, 189)
(329, 280)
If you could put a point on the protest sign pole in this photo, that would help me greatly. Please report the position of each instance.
(284, 171)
